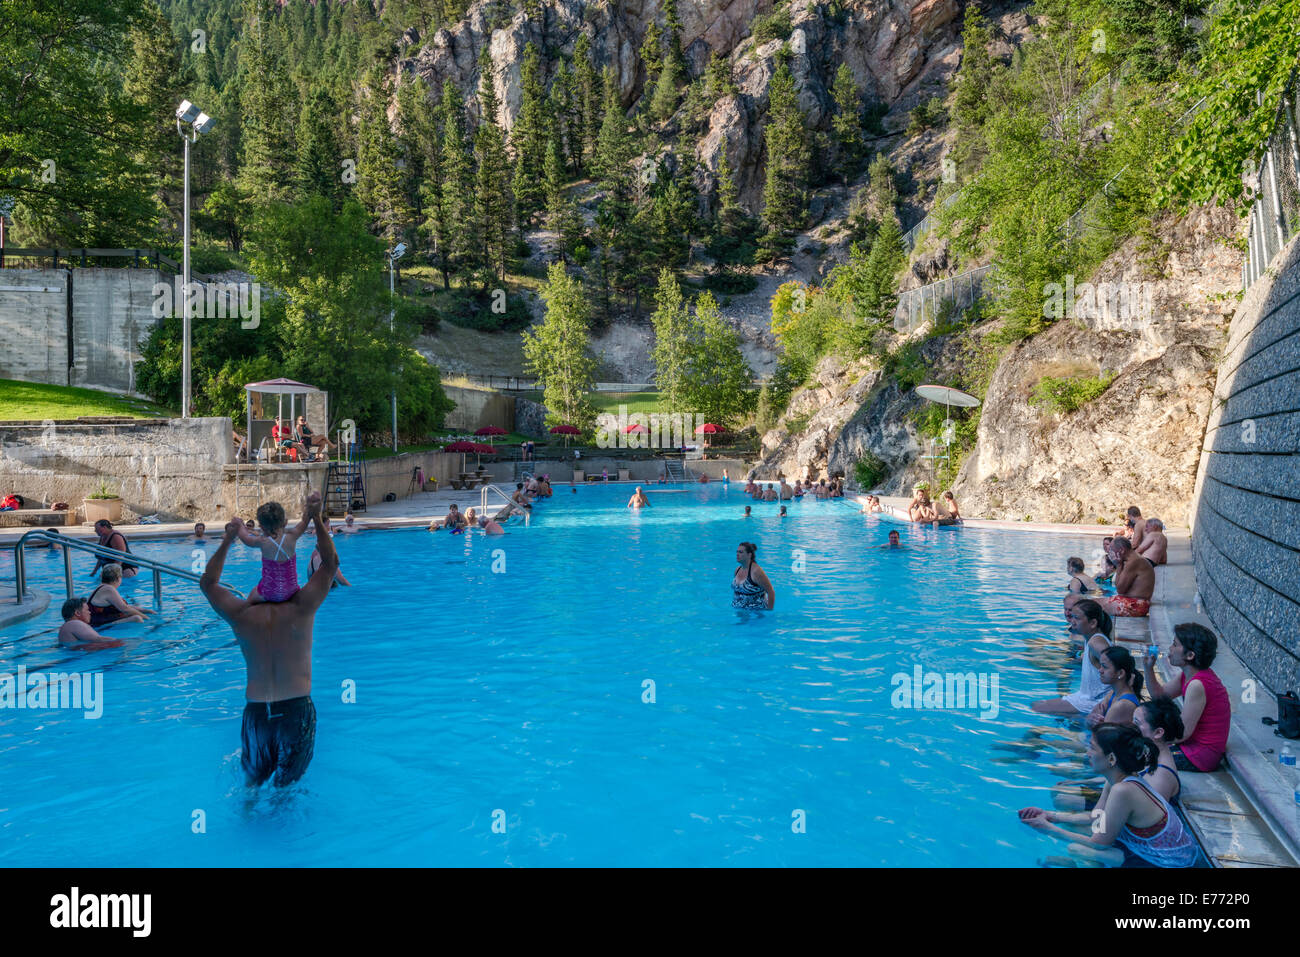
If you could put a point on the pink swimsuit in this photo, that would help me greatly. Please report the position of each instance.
(279, 579)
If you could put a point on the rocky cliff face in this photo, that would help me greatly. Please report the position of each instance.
(900, 53)
(1138, 443)
(1155, 322)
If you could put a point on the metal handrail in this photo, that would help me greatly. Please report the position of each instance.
(483, 493)
(129, 558)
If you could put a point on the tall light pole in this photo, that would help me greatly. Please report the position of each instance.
(199, 122)
(395, 254)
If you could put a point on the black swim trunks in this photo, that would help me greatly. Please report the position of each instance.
(279, 738)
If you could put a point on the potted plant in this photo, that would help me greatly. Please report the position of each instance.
(103, 503)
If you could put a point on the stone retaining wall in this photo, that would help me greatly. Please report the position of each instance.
(1246, 536)
(166, 467)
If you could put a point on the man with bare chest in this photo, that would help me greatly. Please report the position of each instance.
(279, 729)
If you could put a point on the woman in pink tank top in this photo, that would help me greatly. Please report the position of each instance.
(1207, 709)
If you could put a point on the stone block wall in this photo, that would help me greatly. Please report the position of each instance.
(1246, 536)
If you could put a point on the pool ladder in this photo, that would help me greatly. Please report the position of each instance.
(483, 497)
(67, 542)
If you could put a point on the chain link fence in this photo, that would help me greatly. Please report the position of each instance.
(1275, 215)
(917, 306)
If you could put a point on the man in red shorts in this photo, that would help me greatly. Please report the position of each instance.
(1135, 581)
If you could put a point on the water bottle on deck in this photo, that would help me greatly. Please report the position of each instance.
(1287, 760)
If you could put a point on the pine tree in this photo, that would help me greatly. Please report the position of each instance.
(493, 202)
(157, 81)
(788, 159)
(380, 186)
(528, 138)
(452, 223)
(417, 142)
(562, 217)
(566, 117)
(733, 228)
(590, 100)
(319, 169)
(558, 352)
(612, 150)
(846, 125)
(668, 86)
(887, 259)
(971, 102)
(652, 53)
(268, 153)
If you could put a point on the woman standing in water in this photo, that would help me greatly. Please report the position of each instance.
(750, 586)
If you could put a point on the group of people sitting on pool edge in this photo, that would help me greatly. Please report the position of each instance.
(520, 507)
(941, 511)
(1128, 814)
(1129, 562)
(785, 492)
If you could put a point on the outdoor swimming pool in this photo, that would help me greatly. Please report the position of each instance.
(515, 696)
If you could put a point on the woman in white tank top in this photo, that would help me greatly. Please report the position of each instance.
(1091, 622)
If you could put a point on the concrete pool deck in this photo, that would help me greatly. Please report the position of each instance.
(1243, 817)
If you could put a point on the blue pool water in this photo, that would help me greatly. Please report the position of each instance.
(515, 696)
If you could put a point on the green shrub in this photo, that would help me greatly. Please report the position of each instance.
(468, 309)
(1067, 395)
(907, 366)
(775, 26)
(928, 114)
(730, 283)
(869, 471)
(210, 259)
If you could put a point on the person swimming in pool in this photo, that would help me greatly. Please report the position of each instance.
(279, 726)
(279, 560)
(749, 511)
(199, 530)
(638, 499)
(76, 631)
(313, 563)
(893, 541)
(750, 586)
(782, 513)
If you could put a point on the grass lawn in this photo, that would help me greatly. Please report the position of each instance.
(501, 442)
(31, 400)
(645, 402)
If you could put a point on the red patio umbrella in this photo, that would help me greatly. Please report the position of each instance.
(566, 431)
(636, 428)
(708, 428)
(481, 450)
(491, 430)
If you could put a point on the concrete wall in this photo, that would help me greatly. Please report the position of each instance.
(1246, 533)
(111, 316)
(476, 408)
(290, 484)
(640, 470)
(168, 467)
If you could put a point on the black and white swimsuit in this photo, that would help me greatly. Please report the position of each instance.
(748, 594)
